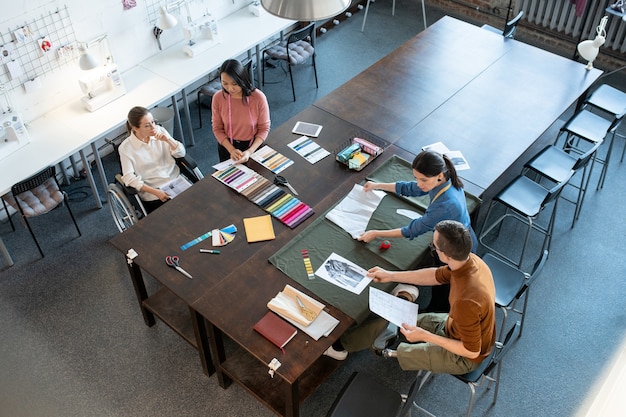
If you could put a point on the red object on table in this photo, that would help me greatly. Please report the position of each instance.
(385, 244)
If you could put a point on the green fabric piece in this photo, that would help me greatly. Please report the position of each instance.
(320, 239)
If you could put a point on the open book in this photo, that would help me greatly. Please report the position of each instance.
(286, 304)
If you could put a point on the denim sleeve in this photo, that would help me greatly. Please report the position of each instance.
(434, 213)
(408, 189)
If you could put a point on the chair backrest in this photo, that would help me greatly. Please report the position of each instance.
(583, 159)
(555, 191)
(511, 25)
(304, 34)
(530, 278)
(34, 181)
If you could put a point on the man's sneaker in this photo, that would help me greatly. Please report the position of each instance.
(386, 338)
(408, 292)
(339, 355)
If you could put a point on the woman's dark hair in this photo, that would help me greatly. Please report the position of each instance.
(134, 117)
(454, 239)
(235, 70)
(432, 164)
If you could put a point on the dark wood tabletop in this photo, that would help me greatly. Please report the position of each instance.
(489, 97)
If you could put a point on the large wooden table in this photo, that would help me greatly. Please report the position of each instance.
(488, 97)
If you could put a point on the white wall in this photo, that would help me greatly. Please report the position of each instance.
(129, 33)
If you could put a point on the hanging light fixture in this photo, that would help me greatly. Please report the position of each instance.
(589, 49)
(305, 10)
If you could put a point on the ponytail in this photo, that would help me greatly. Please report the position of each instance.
(451, 173)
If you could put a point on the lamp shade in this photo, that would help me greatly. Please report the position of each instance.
(305, 10)
(166, 21)
(589, 49)
(87, 61)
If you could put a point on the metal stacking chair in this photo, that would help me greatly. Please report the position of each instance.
(35, 196)
(296, 50)
(611, 102)
(524, 200)
(511, 285)
(364, 396)
(510, 27)
(484, 372)
(555, 164)
(393, 12)
(586, 129)
(215, 85)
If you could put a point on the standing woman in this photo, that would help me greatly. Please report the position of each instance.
(240, 114)
(147, 158)
(436, 176)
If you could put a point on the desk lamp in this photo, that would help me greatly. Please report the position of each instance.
(100, 83)
(589, 49)
(305, 10)
(167, 20)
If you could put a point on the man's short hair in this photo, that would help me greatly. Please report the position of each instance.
(454, 239)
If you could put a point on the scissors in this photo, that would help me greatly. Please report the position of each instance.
(173, 262)
(280, 180)
(308, 314)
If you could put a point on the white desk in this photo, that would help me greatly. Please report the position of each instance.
(239, 32)
(70, 129)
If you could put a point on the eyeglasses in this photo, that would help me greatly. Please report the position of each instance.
(434, 248)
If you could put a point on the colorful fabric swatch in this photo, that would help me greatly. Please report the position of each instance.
(220, 238)
(274, 200)
(307, 264)
(271, 159)
(232, 229)
(308, 149)
(238, 177)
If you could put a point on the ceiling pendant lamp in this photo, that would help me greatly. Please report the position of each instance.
(305, 10)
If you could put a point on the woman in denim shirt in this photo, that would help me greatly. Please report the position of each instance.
(436, 176)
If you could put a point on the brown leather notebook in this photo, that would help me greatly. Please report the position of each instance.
(275, 329)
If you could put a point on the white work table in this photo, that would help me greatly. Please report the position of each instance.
(238, 32)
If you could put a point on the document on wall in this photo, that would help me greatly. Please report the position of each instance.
(175, 186)
(393, 309)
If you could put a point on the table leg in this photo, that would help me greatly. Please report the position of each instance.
(140, 291)
(100, 166)
(89, 175)
(216, 344)
(192, 140)
(292, 404)
(5, 253)
(259, 62)
(202, 340)
(179, 124)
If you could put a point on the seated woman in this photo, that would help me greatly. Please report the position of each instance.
(436, 176)
(147, 158)
(240, 114)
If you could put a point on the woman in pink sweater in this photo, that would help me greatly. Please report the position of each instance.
(240, 114)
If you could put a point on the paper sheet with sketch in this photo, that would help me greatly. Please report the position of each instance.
(393, 309)
(343, 273)
(353, 213)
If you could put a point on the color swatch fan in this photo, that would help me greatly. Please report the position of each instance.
(220, 238)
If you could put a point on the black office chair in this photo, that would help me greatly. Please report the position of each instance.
(524, 200)
(555, 164)
(511, 285)
(484, 371)
(35, 196)
(296, 50)
(215, 85)
(364, 396)
(510, 27)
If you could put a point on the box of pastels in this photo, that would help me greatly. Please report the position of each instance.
(357, 152)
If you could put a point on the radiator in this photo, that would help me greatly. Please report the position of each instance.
(560, 16)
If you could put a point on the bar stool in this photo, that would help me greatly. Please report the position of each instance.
(555, 164)
(524, 200)
(591, 129)
(611, 101)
